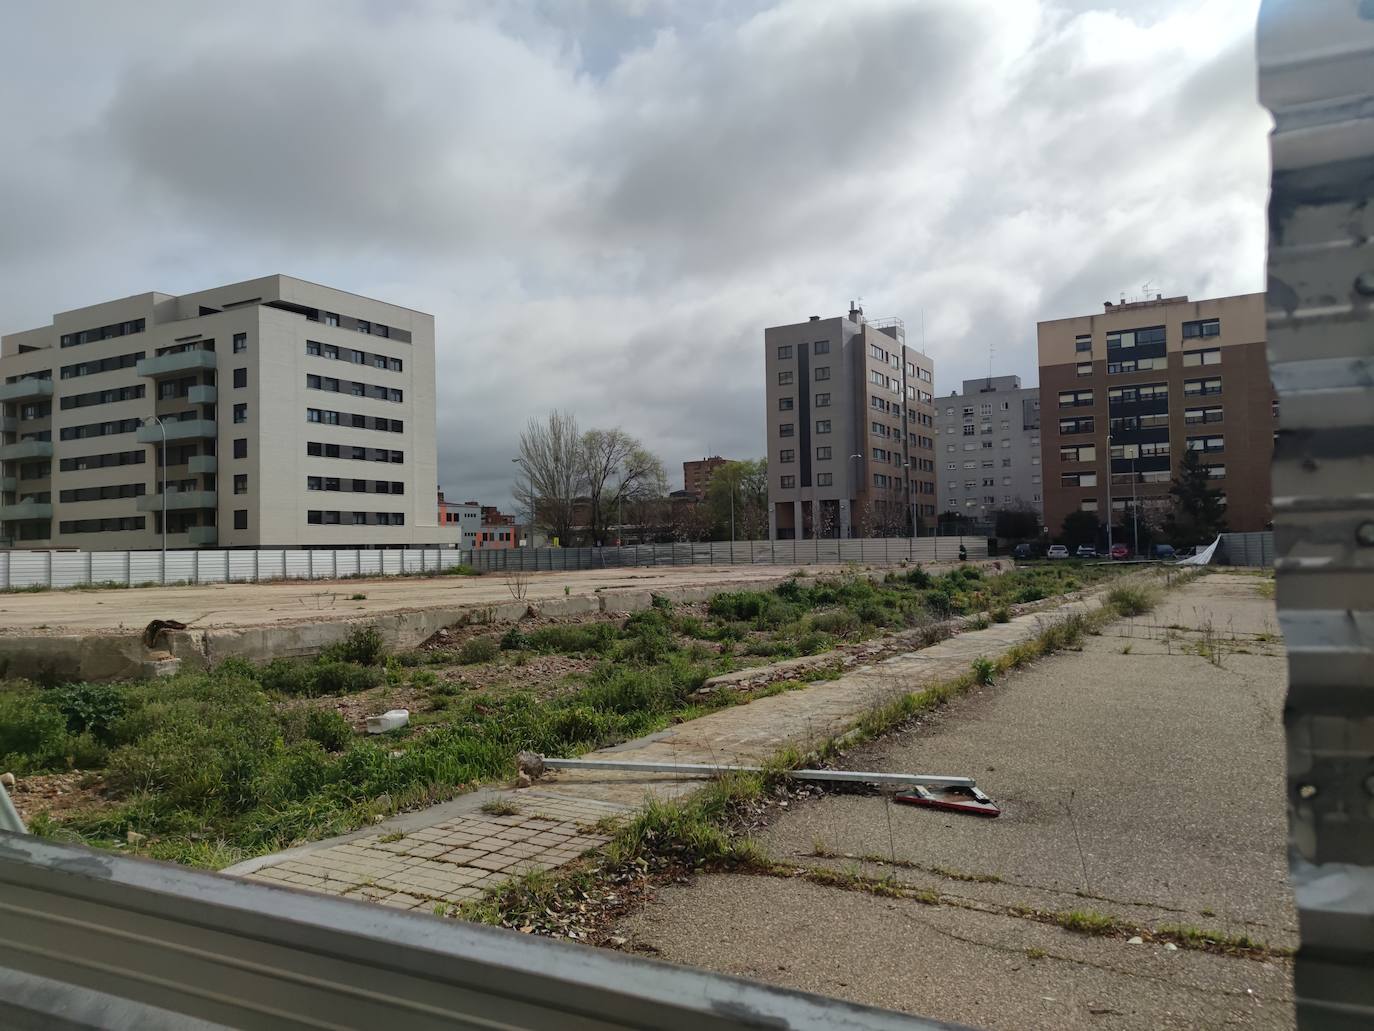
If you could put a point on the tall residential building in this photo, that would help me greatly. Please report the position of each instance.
(988, 448)
(1144, 382)
(324, 435)
(850, 429)
(697, 474)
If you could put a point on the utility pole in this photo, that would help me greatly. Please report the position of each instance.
(1135, 510)
(160, 426)
(1109, 495)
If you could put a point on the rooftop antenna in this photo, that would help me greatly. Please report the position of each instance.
(992, 349)
(923, 331)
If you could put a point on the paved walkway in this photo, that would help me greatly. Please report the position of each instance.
(452, 852)
(1142, 779)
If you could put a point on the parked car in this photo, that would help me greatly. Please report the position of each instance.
(1087, 551)
(1024, 550)
(1120, 551)
(1058, 551)
(1165, 551)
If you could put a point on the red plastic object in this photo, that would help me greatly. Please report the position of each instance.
(954, 800)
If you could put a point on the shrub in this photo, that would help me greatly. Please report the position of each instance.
(1131, 601)
(984, 671)
(288, 676)
(423, 678)
(363, 645)
(661, 604)
(513, 640)
(343, 678)
(1001, 614)
(410, 659)
(918, 578)
(1029, 593)
(478, 649)
(33, 734)
(837, 622)
(89, 708)
(586, 637)
(326, 727)
(236, 667)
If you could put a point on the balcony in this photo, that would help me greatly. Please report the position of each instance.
(202, 464)
(26, 389)
(26, 449)
(8, 424)
(201, 394)
(172, 364)
(178, 500)
(186, 429)
(200, 536)
(23, 510)
(8, 483)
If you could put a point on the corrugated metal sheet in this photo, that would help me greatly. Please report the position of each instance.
(1317, 78)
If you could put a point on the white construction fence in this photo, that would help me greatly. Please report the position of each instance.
(58, 569)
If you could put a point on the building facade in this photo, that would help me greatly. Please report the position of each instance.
(466, 516)
(1141, 384)
(988, 449)
(696, 475)
(294, 415)
(850, 425)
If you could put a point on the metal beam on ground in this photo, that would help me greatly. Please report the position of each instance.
(708, 770)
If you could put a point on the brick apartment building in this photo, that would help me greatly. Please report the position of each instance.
(696, 475)
(1142, 383)
(850, 427)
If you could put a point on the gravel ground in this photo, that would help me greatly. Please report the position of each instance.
(1137, 773)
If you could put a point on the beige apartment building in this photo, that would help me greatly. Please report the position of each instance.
(294, 415)
(850, 425)
(1142, 383)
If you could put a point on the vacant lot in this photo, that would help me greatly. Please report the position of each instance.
(212, 767)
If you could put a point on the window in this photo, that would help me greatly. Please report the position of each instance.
(1215, 472)
(240, 342)
(1202, 328)
(240, 483)
(784, 404)
(1201, 387)
(1006, 463)
(822, 454)
(240, 378)
(1150, 336)
(1084, 369)
(822, 372)
(331, 318)
(90, 336)
(1088, 505)
(822, 400)
(1075, 398)
(1137, 365)
(119, 361)
(240, 519)
(1197, 415)
(787, 455)
(785, 379)
(822, 347)
(824, 479)
(1143, 392)
(241, 447)
(1082, 424)
(784, 351)
(822, 425)
(1083, 344)
(788, 482)
(1207, 356)
(363, 326)
(785, 429)
(1078, 453)
(1206, 443)
(241, 413)
(969, 429)
(1078, 479)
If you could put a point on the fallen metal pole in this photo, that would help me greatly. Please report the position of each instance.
(707, 770)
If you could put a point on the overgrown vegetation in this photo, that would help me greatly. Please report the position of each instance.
(1129, 600)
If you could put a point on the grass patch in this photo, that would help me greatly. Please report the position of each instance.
(984, 670)
(1128, 600)
(499, 807)
(1087, 921)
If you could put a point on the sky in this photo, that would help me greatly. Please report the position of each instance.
(604, 202)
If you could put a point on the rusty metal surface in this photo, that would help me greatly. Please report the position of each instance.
(1317, 79)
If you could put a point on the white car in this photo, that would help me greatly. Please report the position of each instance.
(1057, 551)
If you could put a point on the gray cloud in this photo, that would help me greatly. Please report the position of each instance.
(603, 203)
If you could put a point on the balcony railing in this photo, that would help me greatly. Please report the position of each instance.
(202, 394)
(181, 361)
(202, 464)
(185, 429)
(23, 510)
(178, 500)
(25, 389)
(203, 535)
(26, 449)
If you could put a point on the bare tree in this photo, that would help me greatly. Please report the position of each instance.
(551, 458)
(616, 470)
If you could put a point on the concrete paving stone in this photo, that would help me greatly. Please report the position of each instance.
(516, 833)
(495, 861)
(401, 900)
(541, 825)
(428, 851)
(460, 856)
(521, 851)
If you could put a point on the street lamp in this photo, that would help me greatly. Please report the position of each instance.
(1109, 494)
(160, 426)
(530, 510)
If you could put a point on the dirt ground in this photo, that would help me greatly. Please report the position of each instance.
(210, 606)
(1140, 779)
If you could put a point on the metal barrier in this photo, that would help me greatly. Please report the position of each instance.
(1316, 62)
(1246, 549)
(92, 939)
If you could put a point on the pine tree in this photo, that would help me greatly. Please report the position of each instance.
(1199, 512)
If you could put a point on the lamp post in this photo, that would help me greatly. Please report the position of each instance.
(1135, 511)
(163, 459)
(530, 510)
(1109, 495)
(856, 493)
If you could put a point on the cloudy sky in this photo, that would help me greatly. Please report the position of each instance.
(603, 202)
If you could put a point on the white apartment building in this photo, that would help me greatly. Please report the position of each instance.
(988, 449)
(294, 415)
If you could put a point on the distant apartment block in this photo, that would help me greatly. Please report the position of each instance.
(1143, 383)
(988, 448)
(696, 475)
(466, 516)
(498, 529)
(295, 415)
(850, 427)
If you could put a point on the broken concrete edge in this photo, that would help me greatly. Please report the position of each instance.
(124, 656)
